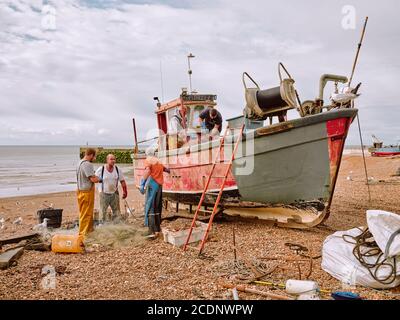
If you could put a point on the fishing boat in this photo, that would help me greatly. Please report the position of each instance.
(379, 150)
(386, 151)
(284, 170)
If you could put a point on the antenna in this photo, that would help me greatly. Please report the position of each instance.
(162, 82)
(190, 71)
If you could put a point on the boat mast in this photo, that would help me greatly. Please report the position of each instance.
(190, 71)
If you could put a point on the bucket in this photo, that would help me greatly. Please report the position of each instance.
(54, 217)
(67, 243)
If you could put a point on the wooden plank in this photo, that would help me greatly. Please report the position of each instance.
(274, 129)
(8, 257)
(16, 239)
(185, 216)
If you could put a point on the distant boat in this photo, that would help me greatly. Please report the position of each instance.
(386, 151)
(379, 150)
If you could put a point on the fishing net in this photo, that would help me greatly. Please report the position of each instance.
(117, 235)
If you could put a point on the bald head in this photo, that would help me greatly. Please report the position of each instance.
(111, 160)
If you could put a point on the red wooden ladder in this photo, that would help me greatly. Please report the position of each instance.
(210, 176)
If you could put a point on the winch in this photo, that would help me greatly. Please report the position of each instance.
(261, 104)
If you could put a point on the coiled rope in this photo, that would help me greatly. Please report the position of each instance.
(365, 247)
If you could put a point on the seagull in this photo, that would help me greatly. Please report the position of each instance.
(2, 223)
(18, 221)
(343, 97)
(41, 226)
(346, 95)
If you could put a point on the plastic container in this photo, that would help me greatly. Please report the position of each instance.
(54, 216)
(300, 286)
(304, 289)
(178, 238)
(67, 243)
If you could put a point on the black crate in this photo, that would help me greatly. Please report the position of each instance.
(54, 216)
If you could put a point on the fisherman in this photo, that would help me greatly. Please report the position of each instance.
(177, 128)
(86, 179)
(111, 176)
(211, 120)
(151, 185)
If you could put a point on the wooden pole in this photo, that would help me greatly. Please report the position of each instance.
(234, 243)
(258, 292)
(358, 50)
(135, 150)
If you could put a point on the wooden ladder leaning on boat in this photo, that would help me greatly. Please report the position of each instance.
(210, 176)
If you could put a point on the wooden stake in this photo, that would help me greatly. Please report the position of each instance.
(254, 291)
(234, 243)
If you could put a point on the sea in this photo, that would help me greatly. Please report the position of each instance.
(31, 170)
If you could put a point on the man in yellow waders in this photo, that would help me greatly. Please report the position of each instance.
(86, 179)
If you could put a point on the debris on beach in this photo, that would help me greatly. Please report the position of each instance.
(28, 241)
(8, 258)
(18, 221)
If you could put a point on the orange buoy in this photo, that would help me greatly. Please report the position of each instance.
(67, 243)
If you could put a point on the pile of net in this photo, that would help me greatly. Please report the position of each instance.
(117, 235)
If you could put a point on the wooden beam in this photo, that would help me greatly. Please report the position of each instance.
(7, 258)
(185, 216)
(16, 239)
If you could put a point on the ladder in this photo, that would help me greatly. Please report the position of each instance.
(210, 176)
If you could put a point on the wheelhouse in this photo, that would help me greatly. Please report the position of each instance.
(195, 104)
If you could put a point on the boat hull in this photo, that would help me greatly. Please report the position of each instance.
(291, 165)
(386, 152)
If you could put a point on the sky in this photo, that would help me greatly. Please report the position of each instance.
(76, 71)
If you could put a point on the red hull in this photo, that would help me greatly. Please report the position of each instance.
(384, 154)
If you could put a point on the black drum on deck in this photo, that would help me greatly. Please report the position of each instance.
(270, 98)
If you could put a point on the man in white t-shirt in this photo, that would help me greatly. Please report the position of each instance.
(111, 176)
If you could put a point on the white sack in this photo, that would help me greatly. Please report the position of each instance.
(338, 260)
(382, 225)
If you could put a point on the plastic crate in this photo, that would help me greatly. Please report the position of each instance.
(178, 238)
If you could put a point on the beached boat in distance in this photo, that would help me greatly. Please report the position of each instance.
(379, 150)
(284, 172)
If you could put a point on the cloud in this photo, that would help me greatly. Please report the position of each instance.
(100, 67)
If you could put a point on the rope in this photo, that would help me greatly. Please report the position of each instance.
(365, 247)
(365, 163)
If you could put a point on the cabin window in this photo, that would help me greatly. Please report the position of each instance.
(162, 122)
(170, 114)
(194, 120)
